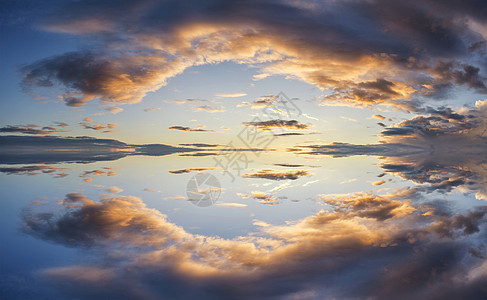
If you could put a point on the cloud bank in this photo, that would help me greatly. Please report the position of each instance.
(361, 53)
(396, 249)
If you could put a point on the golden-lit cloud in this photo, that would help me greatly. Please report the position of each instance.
(277, 175)
(87, 123)
(263, 197)
(385, 54)
(231, 204)
(262, 102)
(209, 109)
(357, 228)
(114, 189)
(114, 110)
(105, 171)
(231, 95)
(187, 101)
(380, 117)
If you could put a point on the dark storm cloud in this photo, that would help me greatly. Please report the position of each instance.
(396, 252)
(366, 52)
(272, 124)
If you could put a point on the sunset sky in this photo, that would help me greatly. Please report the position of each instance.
(371, 126)
(145, 66)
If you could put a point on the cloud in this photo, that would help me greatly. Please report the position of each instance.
(54, 149)
(152, 109)
(201, 145)
(290, 165)
(231, 95)
(262, 102)
(263, 197)
(114, 110)
(34, 170)
(88, 75)
(383, 239)
(188, 170)
(442, 123)
(182, 128)
(348, 119)
(209, 109)
(187, 101)
(379, 117)
(368, 205)
(201, 154)
(337, 149)
(271, 124)
(387, 53)
(87, 123)
(277, 175)
(229, 204)
(60, 124)
(106, 171)
(442, 150)
(30, 129)
(114, 189)
(294, 133)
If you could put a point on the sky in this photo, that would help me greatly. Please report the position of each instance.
(338, 139)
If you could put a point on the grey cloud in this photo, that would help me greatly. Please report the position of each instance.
(31, 129)
(35, 170)
(55, 149)
(183, 128)
(201, 145)
(188, 170)
(337, 149)
(441, 152)
(272, 124)
(294, 133)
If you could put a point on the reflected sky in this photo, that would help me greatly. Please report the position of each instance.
(243, 150)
